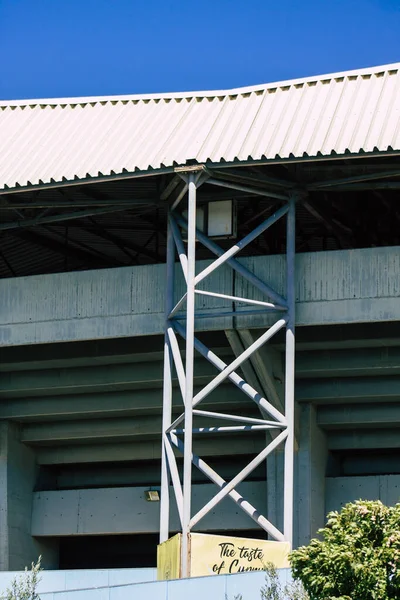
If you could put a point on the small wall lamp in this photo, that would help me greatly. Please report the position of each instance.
(152, 496)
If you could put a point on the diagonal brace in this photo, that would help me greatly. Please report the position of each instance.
(234, 377)
(233, 494)
(238, 361)
(242, 244)
(235, 264)
(238, 478)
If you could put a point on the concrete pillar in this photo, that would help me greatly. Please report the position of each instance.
(18, 472)
(311, 464)
(275, 469)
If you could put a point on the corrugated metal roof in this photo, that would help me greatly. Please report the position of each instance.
(47, 141)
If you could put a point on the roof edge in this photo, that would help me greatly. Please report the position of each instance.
(202, 94)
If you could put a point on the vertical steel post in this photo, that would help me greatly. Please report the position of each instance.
(289, 372)
(167, 388)
(190, 302)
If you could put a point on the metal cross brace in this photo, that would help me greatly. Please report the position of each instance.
(273, 303)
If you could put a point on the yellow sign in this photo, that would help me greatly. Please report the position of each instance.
(220, 555)
(169, 559)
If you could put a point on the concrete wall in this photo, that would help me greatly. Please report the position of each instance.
(341, 490)
(125, 510)
(331, 287)
(17, 480)
(311, 463)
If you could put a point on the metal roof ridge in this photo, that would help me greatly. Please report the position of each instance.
(200, 94)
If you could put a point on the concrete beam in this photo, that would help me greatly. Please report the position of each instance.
(345, 336)
(68, 477)
(349, 389)
(144, 450)
(92, 379)
(111, 404)
(352, 363)
(125, 510)
(364, 439)
(341, 490)
(331, 288)
(359, 415)
(122, 429)
(311, 464)
(87, 430)
(91, 353)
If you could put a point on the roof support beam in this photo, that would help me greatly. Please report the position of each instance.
(240, 175)
(354, 179)
(359, 187)
(337, 229)
(71, 203)
(82, 256)
(40, 220)
(245, 188)
(122, 244)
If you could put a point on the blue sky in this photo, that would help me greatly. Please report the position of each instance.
(53, 48)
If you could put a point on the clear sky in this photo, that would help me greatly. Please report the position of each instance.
(53, 48)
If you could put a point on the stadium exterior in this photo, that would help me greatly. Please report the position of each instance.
(117, 319)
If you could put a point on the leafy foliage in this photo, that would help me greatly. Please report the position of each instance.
(24, 587)
(358, 557)
(274, 590)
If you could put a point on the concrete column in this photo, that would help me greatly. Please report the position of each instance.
(18, 472)
(311, 463)
(275, 464)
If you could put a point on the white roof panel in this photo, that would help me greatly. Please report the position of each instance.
(51, 141)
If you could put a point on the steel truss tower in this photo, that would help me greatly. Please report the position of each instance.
(178, 434)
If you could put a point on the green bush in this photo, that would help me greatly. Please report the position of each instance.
(275, 590)
(357, 557)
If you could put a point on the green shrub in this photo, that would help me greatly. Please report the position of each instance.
(357, 557)
(274, 590)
